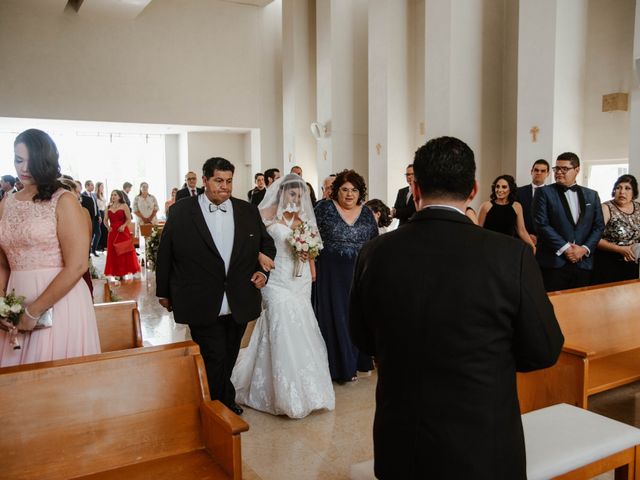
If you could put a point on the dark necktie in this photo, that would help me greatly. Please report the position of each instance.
(214, 208)
(193, 193)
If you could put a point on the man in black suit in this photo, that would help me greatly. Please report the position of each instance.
(524, 195)
(270, 176)
(7, 185)
(404, 208)
(126, 188)
(190, 189)
(90, 202)
(258, 179)
(208, 273)
(569, 224)
(473, 312)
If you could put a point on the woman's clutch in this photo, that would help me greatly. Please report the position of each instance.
(45, 320)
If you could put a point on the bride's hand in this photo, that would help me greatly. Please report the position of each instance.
(304, 256)
(265, 262)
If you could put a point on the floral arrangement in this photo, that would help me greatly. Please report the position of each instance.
(93, 271)
(152, 243)
(305, 238)
(11, 307)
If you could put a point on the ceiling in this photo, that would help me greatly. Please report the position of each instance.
(123, 9)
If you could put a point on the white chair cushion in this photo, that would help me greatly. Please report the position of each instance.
(562, 438)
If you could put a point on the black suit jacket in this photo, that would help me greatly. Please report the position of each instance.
(404, 210)
(258, 196)
(88, 202)
(473, 312)
(524, 195)
(185, 193)
(191, 273)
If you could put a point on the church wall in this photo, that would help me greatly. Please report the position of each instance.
(204, 145)
(208, 63)
(609, 70)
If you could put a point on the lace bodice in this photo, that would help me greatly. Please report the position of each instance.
(340, 237)
(622, 228)
(28, 234)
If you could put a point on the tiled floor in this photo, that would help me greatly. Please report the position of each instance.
(325, 444)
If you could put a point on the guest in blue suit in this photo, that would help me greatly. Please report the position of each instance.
(569, 223)
(524, 195)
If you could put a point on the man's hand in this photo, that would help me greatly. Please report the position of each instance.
(534, 239)
(259, 279)
(166, 303)
(575, 253)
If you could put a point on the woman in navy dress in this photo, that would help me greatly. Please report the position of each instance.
(345, 225)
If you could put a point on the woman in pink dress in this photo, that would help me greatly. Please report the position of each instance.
(117, 221)
(43, 238)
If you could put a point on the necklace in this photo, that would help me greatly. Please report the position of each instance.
(288, 223)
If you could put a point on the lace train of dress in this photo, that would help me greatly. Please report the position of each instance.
(284, 370)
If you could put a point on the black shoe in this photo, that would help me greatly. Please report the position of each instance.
(237, 409)
(95, 254)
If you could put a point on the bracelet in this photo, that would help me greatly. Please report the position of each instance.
(26, 312)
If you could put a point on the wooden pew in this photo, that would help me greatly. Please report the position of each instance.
(118, 325)
(134, 414)
(601, 326)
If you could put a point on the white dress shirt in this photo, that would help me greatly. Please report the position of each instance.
(221, 226)
(574, 206)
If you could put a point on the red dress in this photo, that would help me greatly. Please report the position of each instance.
(119, 265)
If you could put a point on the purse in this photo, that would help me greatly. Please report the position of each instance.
(123, 246)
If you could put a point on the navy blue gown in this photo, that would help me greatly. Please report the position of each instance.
(334, 267)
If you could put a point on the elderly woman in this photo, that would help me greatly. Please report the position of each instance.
(345, 225)
(145, 205)
(616, 259)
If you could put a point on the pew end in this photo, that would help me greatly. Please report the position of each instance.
(136, 414)
(118, 325)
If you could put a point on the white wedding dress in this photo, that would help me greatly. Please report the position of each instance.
(284, 370)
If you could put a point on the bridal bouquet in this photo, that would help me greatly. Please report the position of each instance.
(11, 307)
(305, 238)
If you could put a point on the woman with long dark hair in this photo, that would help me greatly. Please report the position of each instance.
(119, 263)
(502, 213)
(44, 260)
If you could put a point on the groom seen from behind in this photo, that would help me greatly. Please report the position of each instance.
(208, 272)
(474, 313)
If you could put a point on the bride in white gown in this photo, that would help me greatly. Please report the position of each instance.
(284, 370)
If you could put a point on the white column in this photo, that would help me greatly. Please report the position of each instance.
(634, 122)
(464, 45)
(341, 72)
(390, 113)
(551, 80)
(298, 87)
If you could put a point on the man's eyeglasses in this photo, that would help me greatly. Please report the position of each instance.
(192, 178)
(408, 174)
(562, 169)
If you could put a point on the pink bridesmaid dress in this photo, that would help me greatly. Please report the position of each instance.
(29, 239)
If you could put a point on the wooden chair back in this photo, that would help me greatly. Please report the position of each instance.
(75, 417)
(118, 325)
